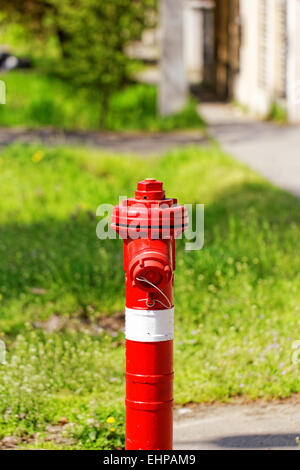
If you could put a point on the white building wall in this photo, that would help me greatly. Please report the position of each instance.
(250, 89)
(293, 61)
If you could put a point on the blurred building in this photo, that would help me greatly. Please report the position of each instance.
(245, 50)
(198, 40)
(257, 54)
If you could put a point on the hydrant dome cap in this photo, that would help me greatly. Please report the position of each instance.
(151, 189)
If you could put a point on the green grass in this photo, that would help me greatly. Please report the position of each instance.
(35, 100)
(237, 300)
(277, 114)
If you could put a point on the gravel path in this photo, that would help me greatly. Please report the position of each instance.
(140, 143)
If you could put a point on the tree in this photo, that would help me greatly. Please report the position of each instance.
(96, 36)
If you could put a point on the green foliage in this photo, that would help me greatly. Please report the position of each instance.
(278, 114)
(237, 300)
(95, 37)
(31, 13)
(91, 36)
(35, 100)
(136, 108)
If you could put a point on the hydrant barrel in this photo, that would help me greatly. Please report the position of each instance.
(149, 224)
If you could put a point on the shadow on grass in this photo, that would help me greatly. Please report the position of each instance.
(249, 206)
(55, 258)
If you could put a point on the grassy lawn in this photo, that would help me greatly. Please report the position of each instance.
(35, 100)
(237, 300)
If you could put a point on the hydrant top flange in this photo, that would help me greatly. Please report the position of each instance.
(149, 209)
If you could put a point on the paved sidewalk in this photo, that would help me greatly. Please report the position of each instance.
(272, 150)
(260, 426)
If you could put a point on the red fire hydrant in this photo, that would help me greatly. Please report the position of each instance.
(149, 224)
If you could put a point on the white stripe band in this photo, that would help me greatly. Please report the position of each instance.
(149, 325)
